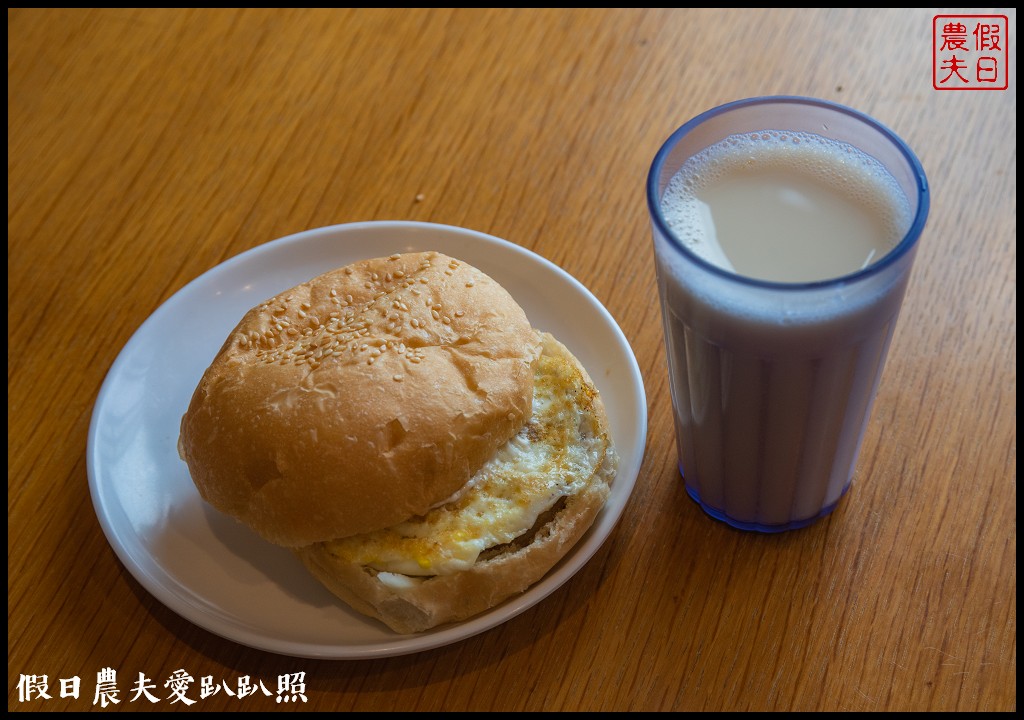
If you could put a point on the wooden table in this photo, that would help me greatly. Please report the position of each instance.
(147, 146)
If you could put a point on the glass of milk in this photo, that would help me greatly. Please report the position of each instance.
(784, 233)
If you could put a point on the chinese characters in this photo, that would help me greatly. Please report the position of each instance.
(177, 688)
(969, 52)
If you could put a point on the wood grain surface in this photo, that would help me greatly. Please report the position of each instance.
(147, 146)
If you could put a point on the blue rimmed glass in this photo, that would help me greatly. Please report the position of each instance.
(772, 383)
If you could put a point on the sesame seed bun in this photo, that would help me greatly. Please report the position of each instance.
(568, 450)
(360, 398)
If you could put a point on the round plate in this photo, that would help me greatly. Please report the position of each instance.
(218, 574)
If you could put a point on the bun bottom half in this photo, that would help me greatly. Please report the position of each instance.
(415, 603)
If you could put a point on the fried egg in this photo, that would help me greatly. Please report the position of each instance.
(555, 454)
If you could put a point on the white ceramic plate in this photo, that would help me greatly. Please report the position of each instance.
(212, 570)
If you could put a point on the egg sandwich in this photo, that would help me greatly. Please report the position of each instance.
(399, 424)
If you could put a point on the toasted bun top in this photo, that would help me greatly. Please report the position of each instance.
(360, 398)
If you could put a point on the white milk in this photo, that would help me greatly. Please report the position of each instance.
(773, 386)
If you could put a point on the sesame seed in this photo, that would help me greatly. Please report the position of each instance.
(469, 284)
(396, 378)
(334, 293)
(348, 271)
(394, 256)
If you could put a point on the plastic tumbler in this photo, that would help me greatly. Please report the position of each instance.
(776, 335)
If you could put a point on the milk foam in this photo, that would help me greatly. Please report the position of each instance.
(836, 167)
